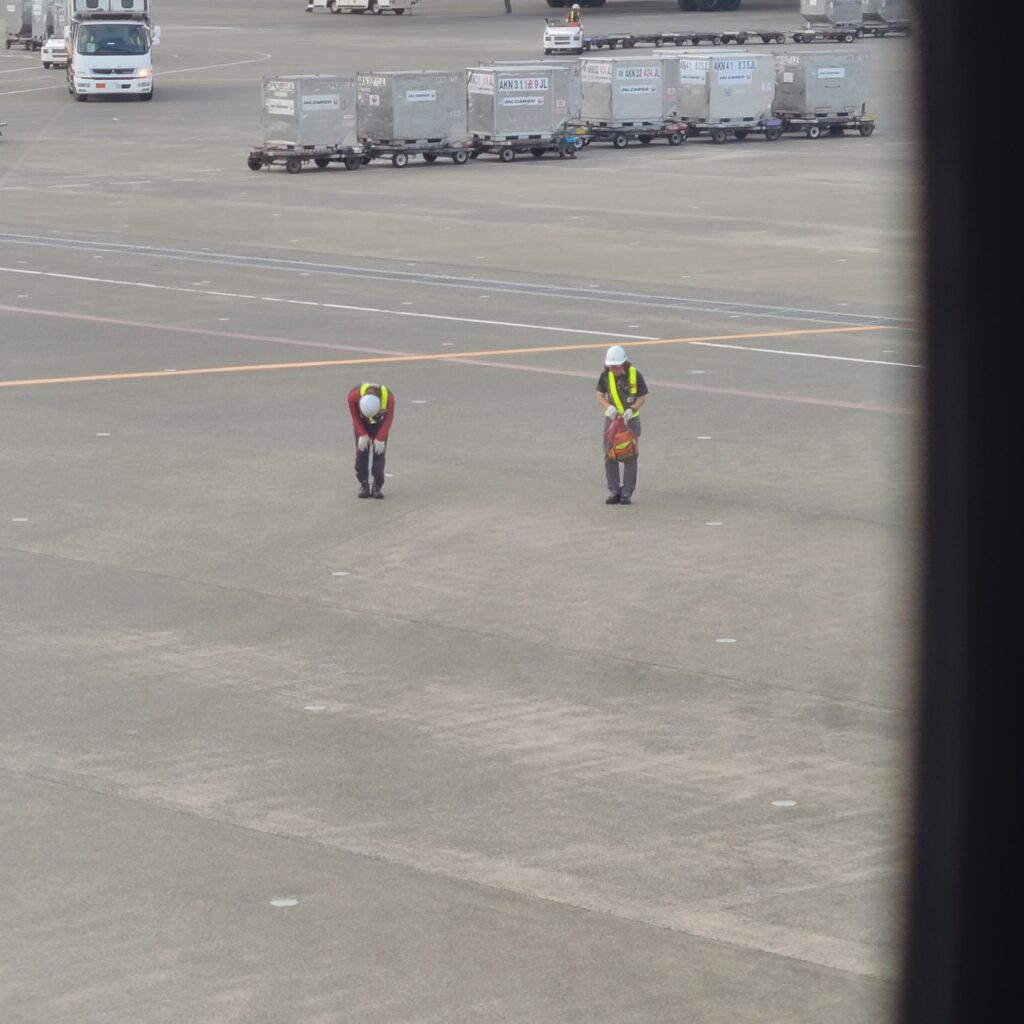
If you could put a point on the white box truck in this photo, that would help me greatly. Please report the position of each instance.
(110, 48)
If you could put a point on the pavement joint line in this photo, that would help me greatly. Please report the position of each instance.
(594, 293)
(101, 787)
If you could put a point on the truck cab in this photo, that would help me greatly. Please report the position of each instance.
(110, 49)
(561, 36)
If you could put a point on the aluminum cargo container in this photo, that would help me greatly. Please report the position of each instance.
(570, 63)
(18, 17)
(310, 110)
(886, 12)
(822, 82)
(823, 13)
(511, 101)
(719, 88)
(626, 89)
(411, 106)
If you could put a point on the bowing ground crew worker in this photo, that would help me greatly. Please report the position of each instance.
(621, 391)
(372, 408)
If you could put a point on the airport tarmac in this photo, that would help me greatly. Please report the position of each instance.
(488, 750)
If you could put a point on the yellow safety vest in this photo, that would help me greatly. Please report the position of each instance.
(613, 391)
(383, 398)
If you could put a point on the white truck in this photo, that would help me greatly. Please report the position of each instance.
(110, 48)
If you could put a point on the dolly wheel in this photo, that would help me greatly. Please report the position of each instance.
(293, 165)
(430, 157)
(719, 135)
(321, 162)
(813, 131)
(866, 129)
(254, 163)
(620, 140)
(506, 154)
(460, 156)
(399, 159)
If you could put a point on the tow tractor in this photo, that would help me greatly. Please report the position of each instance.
(561, 36)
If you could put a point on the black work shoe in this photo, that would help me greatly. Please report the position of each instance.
(364, 491)
(376, 492)
(625, 500)
(613, 499)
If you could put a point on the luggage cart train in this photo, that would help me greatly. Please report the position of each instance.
(557, 107)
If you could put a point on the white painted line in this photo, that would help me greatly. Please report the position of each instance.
(805, 355)
(19, 519)
(328, 305)
(103, 434)
(341, 574)
(284, 902)
(704, 437)
(315, 707)
(419, 401)
(725, 640)
(783, 803)
(714, 523)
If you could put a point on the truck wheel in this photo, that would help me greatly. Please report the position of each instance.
(866, 129)
(373, 7)
(813, 131)
(399, 159)
(658, 41)
(80, 96)
(254, 163)
(293, 165)
(506, 154)
(147, 96)
(7, 44)
(620, 140)
(47, 65)
(321, 162)
(719, 135)
(353, 162)
(332, 6)
(460, 156)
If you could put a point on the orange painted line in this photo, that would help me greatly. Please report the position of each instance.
(432, 357)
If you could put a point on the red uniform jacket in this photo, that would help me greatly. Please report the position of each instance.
(382, 422)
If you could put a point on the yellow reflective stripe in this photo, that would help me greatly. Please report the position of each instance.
(632, 380)
(613, 392)
(383, 399)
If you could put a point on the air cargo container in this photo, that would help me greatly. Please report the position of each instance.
(18, 24)
(308, 118)
(513, 107)
(824, 89)
(410, 106)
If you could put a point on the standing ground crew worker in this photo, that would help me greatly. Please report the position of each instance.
(621, 391)
(372, 408)
(573, 17)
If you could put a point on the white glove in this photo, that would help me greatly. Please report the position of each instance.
(378, 447)
(611, 412)
(628, 415)
(363, 443)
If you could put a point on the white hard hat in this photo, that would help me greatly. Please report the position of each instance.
(369, 406)
(615, 356)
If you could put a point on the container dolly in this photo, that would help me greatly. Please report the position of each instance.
(402, 151)
(813, 125)
(836, 34)
(508, 147)
(293, 157)
(621, 133)
(719, 131)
